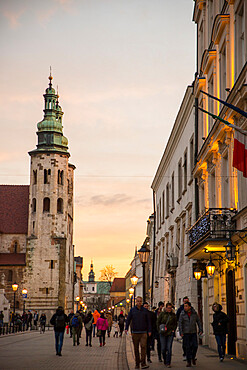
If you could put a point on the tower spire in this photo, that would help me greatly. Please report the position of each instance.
(50, 78)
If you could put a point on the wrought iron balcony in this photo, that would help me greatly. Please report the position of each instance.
(214, 224)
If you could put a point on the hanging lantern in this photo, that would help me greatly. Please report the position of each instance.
(230, 251)
(131, 290)
(210, 268)
(197, 274)
(134, 280)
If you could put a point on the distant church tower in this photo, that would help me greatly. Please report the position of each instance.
(91, 275)
(49, 274)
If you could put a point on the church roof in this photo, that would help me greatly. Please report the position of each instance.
(12, 259)
(14, 201)
(118, 285)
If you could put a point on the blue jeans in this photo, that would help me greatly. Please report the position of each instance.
(166, 347)
(191, 345)
(59, 341)
(221, 341)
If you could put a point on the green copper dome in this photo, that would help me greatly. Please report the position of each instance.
(50, 129)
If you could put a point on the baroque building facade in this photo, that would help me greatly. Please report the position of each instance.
(220, 192)
(173, 189)
(37, 248)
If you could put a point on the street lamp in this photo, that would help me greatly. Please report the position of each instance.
(197, 273)
(143, 255)
(134, 280)
(24, 296)
(230, 251)
(210, 267)
(14, 287)
(77, 302)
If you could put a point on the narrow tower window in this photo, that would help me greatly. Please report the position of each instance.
(59, 205)
(34, 204)
(46, 205)
(60, 177)
(15, 247)
(47, 175)
(35, 177)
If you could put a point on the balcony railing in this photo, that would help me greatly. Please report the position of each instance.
(215, 223)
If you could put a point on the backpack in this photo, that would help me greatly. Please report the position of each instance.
(75, 322)
(121, 320)
(60, 322)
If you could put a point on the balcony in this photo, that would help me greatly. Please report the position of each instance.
(211, 231)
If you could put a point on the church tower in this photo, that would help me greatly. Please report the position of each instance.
(49, 274)
(91, 275)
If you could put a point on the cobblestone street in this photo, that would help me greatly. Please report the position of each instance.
(35, 351)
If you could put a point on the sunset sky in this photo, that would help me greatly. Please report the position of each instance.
(122, 67)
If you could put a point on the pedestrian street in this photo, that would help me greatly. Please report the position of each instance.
(32, 350)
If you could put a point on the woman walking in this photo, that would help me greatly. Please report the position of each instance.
(88, 323)
(109, 320)
(102, 326)
(121, 321)
(167, 323)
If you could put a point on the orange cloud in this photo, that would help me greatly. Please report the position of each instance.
(13, 17)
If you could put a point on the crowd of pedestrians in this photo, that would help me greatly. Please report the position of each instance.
(25, 321)
(163, 324)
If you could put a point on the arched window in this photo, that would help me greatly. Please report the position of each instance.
(10, 275)
(35, 177)
(58, 177)
(15, 247)
(59, 205)
(34, 205)
(46, 205)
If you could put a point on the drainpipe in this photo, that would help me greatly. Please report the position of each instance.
(154, 233)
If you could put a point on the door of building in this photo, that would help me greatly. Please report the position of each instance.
(231, 311)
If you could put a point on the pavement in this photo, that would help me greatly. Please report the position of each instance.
(32, 350)
(206, 359)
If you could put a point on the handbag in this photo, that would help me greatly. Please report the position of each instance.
(99, 333)
(163, 327)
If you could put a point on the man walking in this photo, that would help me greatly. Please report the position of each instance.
(166, 325)
(157, 336)
(188, 321)
(220, 320)
(76, 325)
(70, 315)
(185, 300)
(141, 325)
(59, 320)
(35, 319)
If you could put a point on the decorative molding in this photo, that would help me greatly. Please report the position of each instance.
(220, 22)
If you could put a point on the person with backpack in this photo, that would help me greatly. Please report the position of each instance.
(102, 326)
(88, 324)
(121, 321)
(166, 325)
(76, 324)
(59, 320)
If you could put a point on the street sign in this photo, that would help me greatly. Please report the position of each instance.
(24, 296)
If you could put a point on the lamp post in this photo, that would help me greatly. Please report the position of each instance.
(143, 255)
(131, 292)
(14, 287)
(24, 296)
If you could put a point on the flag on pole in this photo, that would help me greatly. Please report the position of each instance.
(233, 107)
(240, 152)
(240, 144)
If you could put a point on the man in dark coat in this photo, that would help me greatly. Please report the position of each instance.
(188, 322)
(157, 336)
(141, 327)
(59, 320)
(152, 317)
(220, 321)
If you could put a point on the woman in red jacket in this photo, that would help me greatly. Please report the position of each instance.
(102, 325)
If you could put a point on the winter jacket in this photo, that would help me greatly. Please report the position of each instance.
(102, 324)
(170, 320)
(187, 325)
(53, 321)
(140, 320)
(179, 311)
(88, 322)
(96, 315)
(121, 320)
(79, 320)
(220, 320)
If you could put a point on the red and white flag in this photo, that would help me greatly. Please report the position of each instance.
(240, 152)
